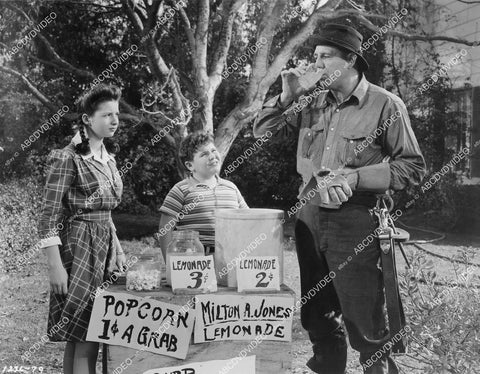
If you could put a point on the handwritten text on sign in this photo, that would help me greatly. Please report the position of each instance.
(258, 273)
(242, 317)
(236, 365)
(193, 273)
(140, 323)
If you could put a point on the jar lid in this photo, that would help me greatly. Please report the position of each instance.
(147, 256)
(180, 234)
(249, 213)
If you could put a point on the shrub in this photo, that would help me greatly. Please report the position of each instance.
(448, 205)
(268, 178)
(19, 206)
(443, 316)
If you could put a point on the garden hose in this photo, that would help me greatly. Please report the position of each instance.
(441, 236)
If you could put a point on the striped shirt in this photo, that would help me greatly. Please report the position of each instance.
(192, 205)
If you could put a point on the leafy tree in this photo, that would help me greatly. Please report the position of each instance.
(224, 55)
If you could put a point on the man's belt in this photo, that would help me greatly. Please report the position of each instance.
(388, 236)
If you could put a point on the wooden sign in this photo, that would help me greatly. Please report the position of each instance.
(141, 323)
(236, 365)
(193, 274)
(258, 273)
(242, 317)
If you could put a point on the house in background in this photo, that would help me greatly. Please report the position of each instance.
(460, 20)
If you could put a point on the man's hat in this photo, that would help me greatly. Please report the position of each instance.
(341, 36)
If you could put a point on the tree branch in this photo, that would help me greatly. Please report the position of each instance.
(63, 63)
(134, 18)
(270, 20)
(153, 11)
(155, 59)
(31, 87)
(131, 113)
(425, 38)
(201, 41)
(406, 36)
(96, 5)
(229, 11)
(188, 30)
(290, 47)
(60, 62)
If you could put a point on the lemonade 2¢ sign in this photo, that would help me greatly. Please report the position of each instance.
(258, 273)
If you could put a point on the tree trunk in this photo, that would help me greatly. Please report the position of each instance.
(203, 116)
(228, 130)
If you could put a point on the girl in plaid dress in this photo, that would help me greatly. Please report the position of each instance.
(77, 231)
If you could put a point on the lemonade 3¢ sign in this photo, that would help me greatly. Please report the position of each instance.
(193, 274)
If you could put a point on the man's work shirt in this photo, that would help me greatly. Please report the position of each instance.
(370, 126)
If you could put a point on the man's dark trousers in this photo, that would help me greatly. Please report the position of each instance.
(326, 240)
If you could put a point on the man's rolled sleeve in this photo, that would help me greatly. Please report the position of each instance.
(278, 120)
(407, 165)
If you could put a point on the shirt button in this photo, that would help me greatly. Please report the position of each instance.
(328, 148)
(337, 110)
(351, 141)
(332, 128)
(323, 167)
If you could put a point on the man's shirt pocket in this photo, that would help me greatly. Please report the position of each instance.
(360, 146)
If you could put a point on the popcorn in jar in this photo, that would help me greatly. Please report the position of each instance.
(145, 275)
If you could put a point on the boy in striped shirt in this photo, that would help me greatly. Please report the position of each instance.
(191, 203)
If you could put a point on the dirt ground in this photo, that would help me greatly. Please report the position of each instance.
(24, 296)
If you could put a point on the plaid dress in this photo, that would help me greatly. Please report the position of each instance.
(79, 194)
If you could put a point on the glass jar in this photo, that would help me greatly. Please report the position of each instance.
(184, 243)
(145, 274)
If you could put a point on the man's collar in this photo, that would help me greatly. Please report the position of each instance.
(78, 139)
(359, 93)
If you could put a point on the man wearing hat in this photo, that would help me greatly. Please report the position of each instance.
(354, 141)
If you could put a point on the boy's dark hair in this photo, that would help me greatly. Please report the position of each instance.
(191, 143)
(88, 104)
